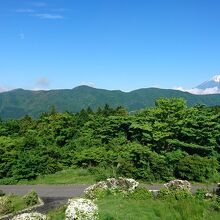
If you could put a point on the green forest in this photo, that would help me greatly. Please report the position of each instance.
(18, 103)
(170, 140)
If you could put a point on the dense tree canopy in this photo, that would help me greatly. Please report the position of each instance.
(160, 143)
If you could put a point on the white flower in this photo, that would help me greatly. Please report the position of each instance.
(81, 209)
(124, 185)
(178, 184)
(30, 216)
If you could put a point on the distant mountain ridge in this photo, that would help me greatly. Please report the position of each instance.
(18, 103)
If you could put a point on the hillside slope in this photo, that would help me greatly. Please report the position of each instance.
(19, 102)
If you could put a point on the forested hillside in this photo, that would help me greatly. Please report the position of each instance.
(18, 103)
(167, 141)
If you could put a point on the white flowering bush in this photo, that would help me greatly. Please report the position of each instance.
(178, 184)
(96, 191)
(81, 209)
(30, 216)
(123, 185)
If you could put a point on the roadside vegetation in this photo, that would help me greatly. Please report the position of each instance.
(68, 176)
(11, 204)
(118, 208)
(156, 144)
(140, 204)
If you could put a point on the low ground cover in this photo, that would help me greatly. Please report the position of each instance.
(13, 203)
(68, 176)
(171, 202)
(120, 208)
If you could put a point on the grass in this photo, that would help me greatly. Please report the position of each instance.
(76, 175)
(119, 208)
(57, 214)
(69, 176)
(18, 204)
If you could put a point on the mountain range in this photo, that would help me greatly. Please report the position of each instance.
(18, 103)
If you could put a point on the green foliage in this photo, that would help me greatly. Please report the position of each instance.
(200, 194)
(57, 214)
(197, 168)
(98, 193)
(102, 173)
(122, 208)
(31, 198)
(19, 102)
(161, 143)
(141, 193)
(215, 205)
(178, 194)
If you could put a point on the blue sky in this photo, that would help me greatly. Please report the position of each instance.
(112, 44)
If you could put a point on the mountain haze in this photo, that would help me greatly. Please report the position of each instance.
(18, 103)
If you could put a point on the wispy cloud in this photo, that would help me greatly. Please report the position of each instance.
(41, 11)
(21, 35)
(24, 10)
(197, 91)
(49, 16)
(42, 82)
(59, 9)
(39, 4)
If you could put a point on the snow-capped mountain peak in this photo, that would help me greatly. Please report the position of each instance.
(214, 82)
(216, 78)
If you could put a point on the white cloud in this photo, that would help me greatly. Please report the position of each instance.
(43, 82)
(59, 9)
(49, 16)
(24, 10)
(197, 91)
(39, 4)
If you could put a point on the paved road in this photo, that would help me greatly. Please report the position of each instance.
(67, 191)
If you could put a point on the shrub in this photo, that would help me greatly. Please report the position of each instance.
(5, 205)
(178, 194)
(197, 168)
(215, 205)
(101, 173)
(81, 209)
(181, 194)
(1, 193)
(8, 181)
(31, 198)
(115, 186)
(140, 194)
(178, 184)
(201, 194)
(96, 193)
(165, 194)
